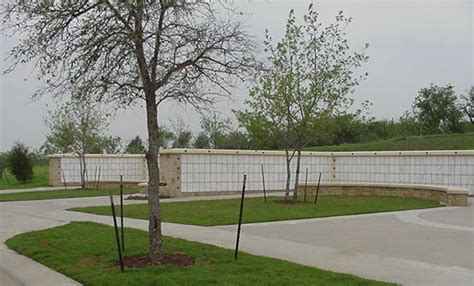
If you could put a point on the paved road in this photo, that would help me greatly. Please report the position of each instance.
(421, 247)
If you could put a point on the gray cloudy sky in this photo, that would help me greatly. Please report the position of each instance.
(412, 43)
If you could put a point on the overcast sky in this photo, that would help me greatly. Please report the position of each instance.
(412, 44)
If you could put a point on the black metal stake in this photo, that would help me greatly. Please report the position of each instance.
(317, 189)
(263, 181)
(305, 185)
(236, 254)
(121, 213)
(64, 179)
(116, 232)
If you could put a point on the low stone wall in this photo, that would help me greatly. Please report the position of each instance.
(451, 196)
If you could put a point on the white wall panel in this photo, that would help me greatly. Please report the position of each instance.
(224, 171)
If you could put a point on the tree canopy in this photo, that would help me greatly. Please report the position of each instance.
(126, 51)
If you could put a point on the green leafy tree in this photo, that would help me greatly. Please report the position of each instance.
(201, 141)
(77, 127)
(437, 110)
(182, 136)
(19, 163)
(135, 146)
(166, 136)
(126, 51)
(310, 74)
(110, 144)
(257, 128)
(237, 139)
(216, 130)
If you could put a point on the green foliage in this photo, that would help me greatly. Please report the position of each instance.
(135, 146)
(85, 252)
(40, 179)
(19, 163)
(182, 136)
(237, 139)
(311, 72)
(428, 142)
(294, 95)
(165, 136)
(38, 157)
(437, 111)
(183, 140)
(201, 141)
(77, 127)
(109, 145)
(222, 212)
(216, 128)
(3, 165)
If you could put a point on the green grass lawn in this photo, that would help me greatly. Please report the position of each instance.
(61, 194)
(40, 179)
(225, 212)
(432, 142)
(86, 252)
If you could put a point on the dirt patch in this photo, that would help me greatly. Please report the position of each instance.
(143, 260)
(45, 242)
(289, 202)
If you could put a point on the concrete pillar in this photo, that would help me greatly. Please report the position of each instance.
(54, 164)
(170, 173)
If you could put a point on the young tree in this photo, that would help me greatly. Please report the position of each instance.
(201, 141)
(437, 110)
(165, 136)
(19, 163)
(135, 146)
(110, 145)
(125, 51)
(77, 127)
(182, 136)
(216, 129)
(237, 139)
(311, 72)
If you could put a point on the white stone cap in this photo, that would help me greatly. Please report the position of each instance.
(447, 189)
(281, 153)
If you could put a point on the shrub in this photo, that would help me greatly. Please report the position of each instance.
(20, 164)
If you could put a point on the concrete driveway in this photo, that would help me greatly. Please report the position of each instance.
(420, 247)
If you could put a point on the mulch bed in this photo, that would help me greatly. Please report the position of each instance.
(289, 202)
(143, 260)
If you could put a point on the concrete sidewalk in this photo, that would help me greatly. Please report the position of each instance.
(377, 246)
(40, 189)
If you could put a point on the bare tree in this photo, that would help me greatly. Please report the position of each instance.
(122, 51)
(467, 104)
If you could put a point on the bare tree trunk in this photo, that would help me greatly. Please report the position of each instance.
(154, 218)
(288, 174)
(297, 178)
